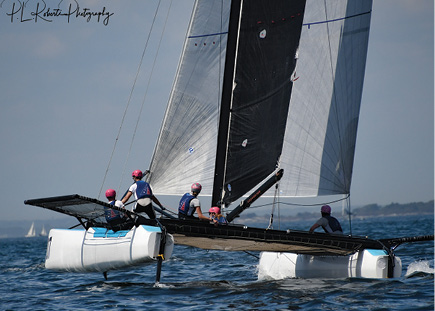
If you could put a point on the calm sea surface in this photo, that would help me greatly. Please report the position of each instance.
(213, 280)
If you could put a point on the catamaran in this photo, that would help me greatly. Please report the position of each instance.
(267, 93)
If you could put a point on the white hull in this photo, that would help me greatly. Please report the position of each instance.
(364, 264)
(95, 250)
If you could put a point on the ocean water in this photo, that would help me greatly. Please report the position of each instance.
(196, 279)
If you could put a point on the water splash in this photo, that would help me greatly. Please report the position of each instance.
(420, 266)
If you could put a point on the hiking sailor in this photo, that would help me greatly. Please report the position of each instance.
(327, 222)
(143, 194)
(115, 218)
(189, 204)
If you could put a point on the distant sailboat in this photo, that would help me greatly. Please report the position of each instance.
(31, 233)
(43, 231)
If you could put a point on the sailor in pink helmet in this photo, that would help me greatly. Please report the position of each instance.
(215, 214)
(189, 204)
(143, 194)
(327, 222)
(115, 218)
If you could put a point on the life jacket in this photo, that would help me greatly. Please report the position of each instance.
(220, 219)
(112, 214)
(143, 190)
(334, 224)
(184, 206)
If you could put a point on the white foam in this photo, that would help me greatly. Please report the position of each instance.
(420, 266)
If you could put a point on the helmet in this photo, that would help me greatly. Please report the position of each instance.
(196, 187)
(214, 209)
(110, 193)
(137, 174)
(326, 209)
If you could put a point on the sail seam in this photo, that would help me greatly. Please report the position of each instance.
(209, 35)
(261, 99)
(336, 19)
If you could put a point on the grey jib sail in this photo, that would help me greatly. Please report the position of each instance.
(294, 101)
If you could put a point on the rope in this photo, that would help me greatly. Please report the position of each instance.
(275, 202)
(252, 254)
(129, 100)
(306, 205)
(350, 215)
(145, 95)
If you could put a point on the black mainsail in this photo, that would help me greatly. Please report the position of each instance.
(263, 39)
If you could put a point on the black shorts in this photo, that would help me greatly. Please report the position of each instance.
(183, 216)
(149, 210)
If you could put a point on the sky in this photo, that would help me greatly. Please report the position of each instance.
(65, 85)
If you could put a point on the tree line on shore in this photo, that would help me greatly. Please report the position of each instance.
(392, 209)
(370, 210)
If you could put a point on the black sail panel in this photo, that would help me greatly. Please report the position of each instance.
(266, 58)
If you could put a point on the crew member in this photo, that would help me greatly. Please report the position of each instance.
(327, 222)
(215, 214)
(189, 204)
(143, 194)
(115, 218)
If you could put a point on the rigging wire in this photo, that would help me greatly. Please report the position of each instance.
(129, 100)
(300, 205)
(275, 203)
(279, 210)
(349, 212)
(304, 205)
(252, 254)
(146, 93)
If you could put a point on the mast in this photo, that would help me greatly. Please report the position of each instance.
(224, 120)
